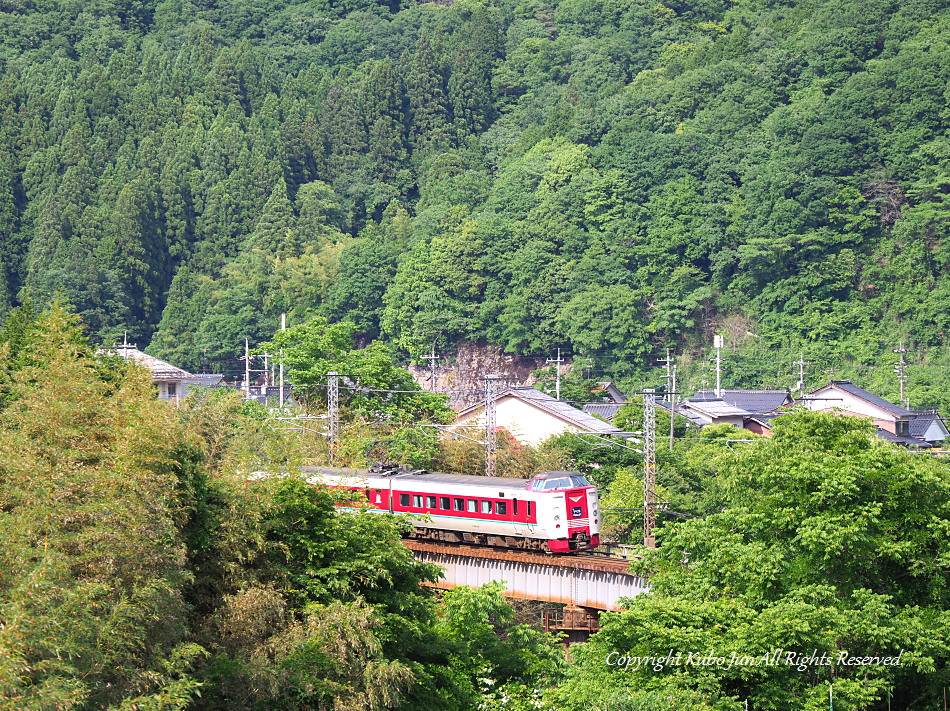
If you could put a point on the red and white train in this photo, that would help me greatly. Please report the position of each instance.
(554, 511)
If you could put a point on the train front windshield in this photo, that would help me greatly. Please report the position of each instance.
(564, 482)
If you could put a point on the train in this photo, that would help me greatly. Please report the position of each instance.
(553, 512)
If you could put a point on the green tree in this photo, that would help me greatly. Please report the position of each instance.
(427, 103)
(276, 231)
(371, 385)
(824, 538)
(93, 610)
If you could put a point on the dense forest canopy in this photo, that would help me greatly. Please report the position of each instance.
(610, 177)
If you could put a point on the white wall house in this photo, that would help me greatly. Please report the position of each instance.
(532, 417)
(847, 397)
(169, 379)
(895, 423)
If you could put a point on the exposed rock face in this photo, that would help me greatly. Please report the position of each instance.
(462, 376)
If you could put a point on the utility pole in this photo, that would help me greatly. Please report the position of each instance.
(557, 373)
(672, 407)
(669, 375)
(649, 467)
(491, 444)
(432, 358)
(717, 342)
(333, 413)
(283, 327)
(801, 363)
(247, 368)
(899, 369)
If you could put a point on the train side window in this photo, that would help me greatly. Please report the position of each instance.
(529, 509)
(404, 499)
(430, 502)
(417, 501)
(501, 508)
(486, 507)
(515, 502)
(472, 506)
(445, 502)
(460, 504)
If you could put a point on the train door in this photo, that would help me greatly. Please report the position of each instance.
(524, 515)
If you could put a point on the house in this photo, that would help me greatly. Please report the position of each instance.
(754, 401)
(712, 412)
(169, 379)
(928, 426)
(761, 406)
(532, 417)
(893, 421)
(608, 392)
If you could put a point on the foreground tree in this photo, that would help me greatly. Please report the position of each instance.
(92, 567)
(827, 539)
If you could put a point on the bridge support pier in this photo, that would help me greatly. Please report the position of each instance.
(585, 585)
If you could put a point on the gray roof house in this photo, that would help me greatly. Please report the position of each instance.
(532, 416)
(893, 421)
(712, 412)
(169, 379)
(759, 402)
(928, 426)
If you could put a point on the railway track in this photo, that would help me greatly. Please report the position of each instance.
(579, 561)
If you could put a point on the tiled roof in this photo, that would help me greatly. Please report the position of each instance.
(607, 410)
(904, 441)
(565, 411)
(715, 408)
(852, 389)
(758, 401)
(862, 394)
(921, 423)
(207, 380)
(159, 368)
(611, 391)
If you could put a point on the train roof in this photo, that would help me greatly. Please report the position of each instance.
(491, 482)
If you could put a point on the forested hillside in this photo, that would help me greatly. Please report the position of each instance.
(611, 177)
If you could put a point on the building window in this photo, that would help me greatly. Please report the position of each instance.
(172, 389)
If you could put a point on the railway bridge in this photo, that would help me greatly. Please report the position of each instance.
(584, 584)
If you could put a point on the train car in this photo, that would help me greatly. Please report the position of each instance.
(556, 512)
